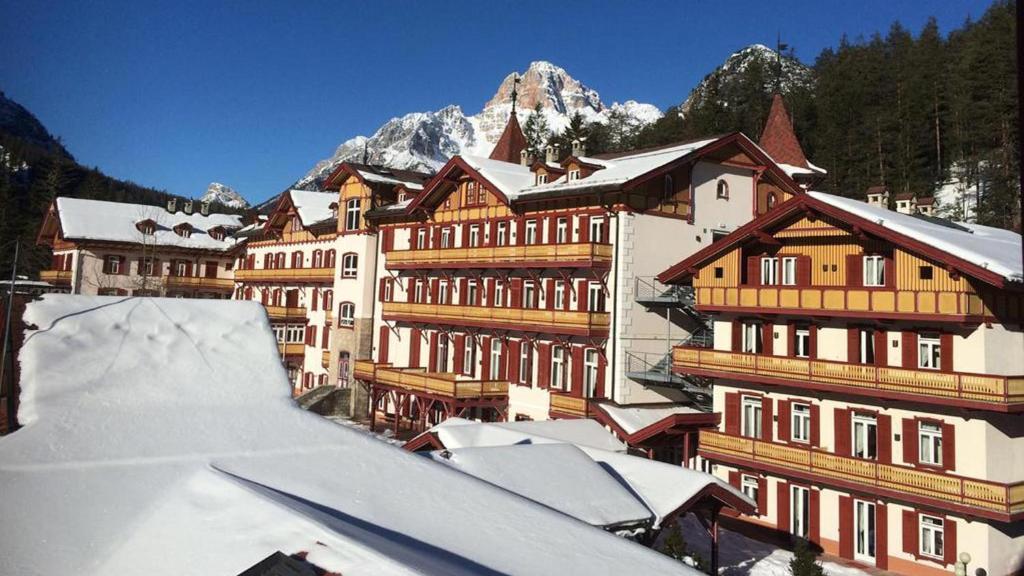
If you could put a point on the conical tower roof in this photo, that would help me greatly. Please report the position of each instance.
(778, 138)
(512, 142)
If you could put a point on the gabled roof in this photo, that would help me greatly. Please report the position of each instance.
(989, 254)
(511, 143)
(312, 207)
(778, 138)
(461, 433)
(503, 179)
(639, 422)
(371, 174)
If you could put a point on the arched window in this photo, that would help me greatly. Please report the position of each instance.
(349, 264)
(279, 260)
(276, 300)
(669, 189)
(723, 189)
(343, 369)
(318, 258)
(329, 258)
(346, 315)
(328, 300)
(297, 259)
(352, 214)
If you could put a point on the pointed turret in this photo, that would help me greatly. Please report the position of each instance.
(512, 142)
(778, 139)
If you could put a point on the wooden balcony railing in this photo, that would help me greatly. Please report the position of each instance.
(839, 301)
(415, 380)
(532, 256)
(325, 358)
(200, 283)
(982, 391)
(550, 321)
(565, 405)
(285, 275)
(55, 276)
(286, 313)
(291, 349)
(990, 499)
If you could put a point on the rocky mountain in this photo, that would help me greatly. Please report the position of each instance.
(17, 122)
(426, 140)
(224, 195)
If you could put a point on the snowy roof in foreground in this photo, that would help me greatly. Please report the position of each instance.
(100, 220)
(509, 178)
(619, 170)
(995, 249)
(313, 207)
(632, 419)
(160, 437)
(560, 476)
(460, 433)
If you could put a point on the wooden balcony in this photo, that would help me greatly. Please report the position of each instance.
(529, 320)
(936, 488)
(291, 349)
(839, 301)
(566, 406)
(419, 381)
(56, 277)
(286, 313)
(325, 358)
(200, 283)
(584, 255)
(979, 391)
(286, 275)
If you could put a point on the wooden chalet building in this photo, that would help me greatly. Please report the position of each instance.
(869, 367)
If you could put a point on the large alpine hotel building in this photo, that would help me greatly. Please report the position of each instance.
(857, 355)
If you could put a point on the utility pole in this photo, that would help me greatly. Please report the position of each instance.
(11, 400)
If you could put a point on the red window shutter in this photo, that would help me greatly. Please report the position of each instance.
(188, 269)
(432, 360)
(141, 262)
(551, 229)
(766, 419)
(884, 431)
(782, 500)
(762, 496)
(581, 295)
(576, 352)
(435, 237)
(890, 271)
(544, 365)
(815, 425)
(157, 269)
(433, 289)
(737, 336)
(910, 441)
(520, 231)
(513, 360)
(490, 292)
(325, 340)
(753, 270)
(768, 337)
(486, 360)
(465, 235)
(382, 345)
(946, 352)
(414, 348)
(785, 434)
(584, 234)
(380, 289)
(517, 293)
(812, 336)
(948, 446)
(842, 418)
(881, 352)
(314, 300)
(803, 270)
(881, 536)
(549, 295)
(814, 530)
(264, 297)
(910, 532)
(949, 550)
(909, 350)
(846, 527)
(853, 344)
(602, 366)
(854, 270)
(734, 479)
(732, 413)
(460, 353)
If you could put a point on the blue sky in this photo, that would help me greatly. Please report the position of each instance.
(175, 95)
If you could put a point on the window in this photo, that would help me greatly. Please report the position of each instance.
(474, 235)
(719, 272)
(595, 297)
(278, 333)
(472, 293)
(529, 295)
(147, 267)
(867, 346)
(421, 238)
(502, 239)
(597, 230)
(318, 258)
(722, 190)
(112, 264)
(800, 425)
(525, 362)
(789, 271)
(864, 530)
(931, 536)
(928, 351)
(562, 231)
(771, 200)
(297, 259)
(531, 232)
(442, 353)
(499, 293)
(748, 484)
(295, 333)
(469, 357)
(589, 373)
(559, 295)
(495, 359)
(925, 272)
(184, 231)
(352, 214)
(180, 268)
(751, 421)
(802, 343)
(799, 511)
(768, 269)
(929, 443)
(542, 178)
(751, 338)
(558, 364)
(442, 292)
(574, 175)
(874, 271)
(865, 436)
(347, 316)
(668, 188)
(418, 292)
(349, 265)
(446, 237)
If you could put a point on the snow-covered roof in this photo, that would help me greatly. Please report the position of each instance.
(994, 249)
(460, 433)
(313, 207)
(560, 476)
(509, 178)
(382, 179)
(619, 170)
(634, 418)
(100, 220)
(160, 437)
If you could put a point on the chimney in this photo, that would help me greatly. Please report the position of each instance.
(187, 208)
(552, 154)
(524, 157)
(172, 205)
(578, 148)
(204, 208)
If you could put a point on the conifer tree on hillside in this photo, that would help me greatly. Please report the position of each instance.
(537, 132)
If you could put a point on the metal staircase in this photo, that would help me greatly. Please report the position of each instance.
(656, 368)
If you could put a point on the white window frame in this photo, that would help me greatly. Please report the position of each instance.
(561, 230)
(114, 264)
(864, 428)
(148, 266)
(931, 537)
(750, 422)
(295, 333)
(542, 178)
(751, 338)
(590, 367)
(929, 443)
(799, 511)
(446, 237)
(495, 359)
(525, 362)
(597, 230)
(347, 320)
(502, 239)
(352, 214)
(865, 537)
(472, 293)
(874, 270)
(802, 343)
(421, 238)
(469, 357)
(529, 295)
(441, 360)
(769, 271)
(749, 486)
(349, 265)
(574, 175)
(531, 232)
(180, 268)
(278, 332)
(388, 290)
(867, 345)
(800, 423)
(929, 352)
(558, 362)
(595, 297)
(499, 293)
(474, 235)
(559, 295)
(789, 271)
(442, 292)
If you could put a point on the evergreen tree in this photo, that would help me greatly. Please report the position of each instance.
(674, 546)
(537, 132)
(805, 560)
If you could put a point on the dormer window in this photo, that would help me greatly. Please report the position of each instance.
(574, 175)
(334, 210)
(542, 178)
(217, 233)
(402, 196)
(184, 230)
(147, 227)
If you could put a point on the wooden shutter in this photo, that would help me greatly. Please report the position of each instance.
(503, 361)
(766, 419)
(386, 240)
(732, 413)
(853, 344)
(854, 270)
(734, 479)
(325, 339)
(946, 352)
(414, 348)
(889, 270)
(516, 293)
(762, 496)
(803, 270)
(768, 338)
(157, 269)
(486, 360)
(791, 340)
(815, 425)
(581, 295)
(549, 294)
(737, 336)
(846, 527)
(842, 431)
(948, 446)
(584, 234)
(490, 293)
(432, 360)
(884, 431)
(576, 352)
(949, 550)
(552, 229)
(910, 533)
(910, 441)
(211, 269)
(909, 350)
(435, 237)
(754, 270)
(434, 283)
(544, 365)
(812, 337)
(460, 354)
(785, 434)
(602, 366)
(520, 231)
(881, 350)
(514, 349)
(881, 536)
(814, 529)
(782, 500)
(465, 235)
(314, 300)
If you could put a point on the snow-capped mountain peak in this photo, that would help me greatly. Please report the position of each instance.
(225, 195)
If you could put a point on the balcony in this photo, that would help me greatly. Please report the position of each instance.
(286, 313)
(286, 275)
(580, 255)
(976, 497)
(419, 381)
(291, 349)
(529, 320)
(565, 406)
(838, 301)
(325, 358)
(200, 283)
(56, 277)
(978, 391)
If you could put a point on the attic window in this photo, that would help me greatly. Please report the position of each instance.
(183, 230)
(146, 227)
(402, 197)
(723, 190)
(925, 272)
(542, 178)
(216, 233)
(574, 175)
